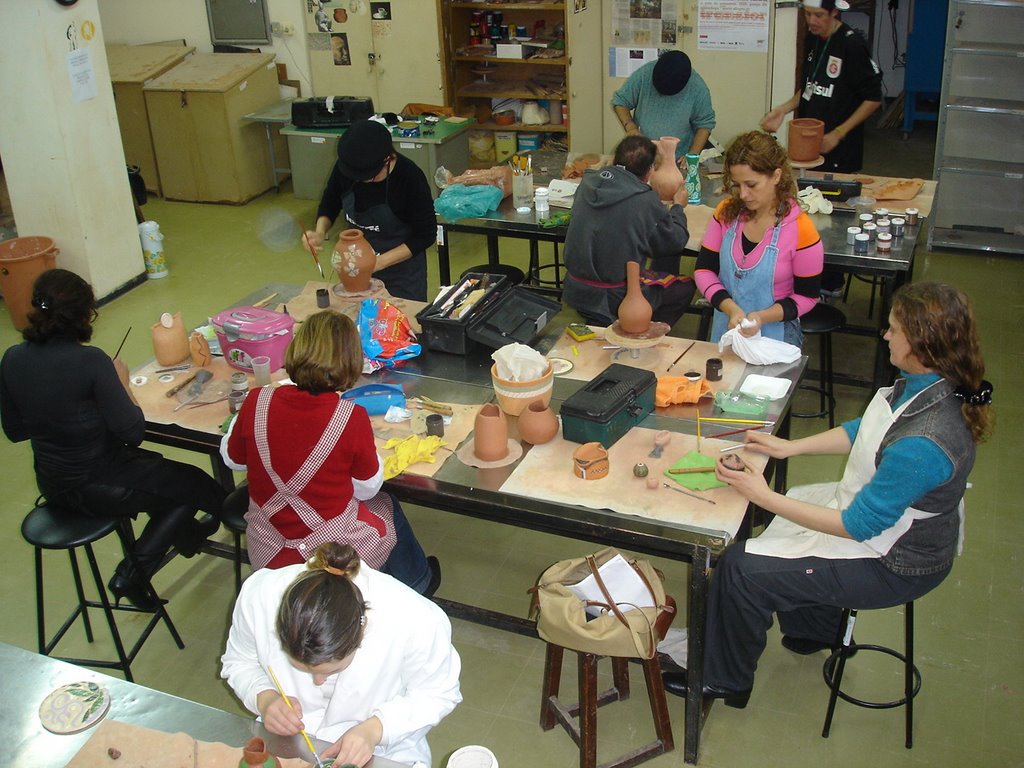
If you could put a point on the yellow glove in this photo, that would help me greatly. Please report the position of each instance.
(410, 450)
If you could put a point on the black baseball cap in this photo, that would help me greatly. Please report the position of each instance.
(671, 73)
(362, 149)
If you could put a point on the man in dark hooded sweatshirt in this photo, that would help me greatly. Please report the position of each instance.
(617, 217)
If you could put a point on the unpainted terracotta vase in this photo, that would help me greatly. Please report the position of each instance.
(199, 349)
(255, 753)
(634, 311)
(170, 343)
(490, 433)
(354, 260)
(538, 423)
(805, 135)
(666, 179)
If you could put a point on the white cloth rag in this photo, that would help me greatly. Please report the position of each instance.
(812, 201)
(758, 350)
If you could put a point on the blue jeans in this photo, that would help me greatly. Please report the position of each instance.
(407, 563)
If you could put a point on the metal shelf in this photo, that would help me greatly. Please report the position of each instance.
(995, 106)
(980, 167)
(993, 242)
(988, 49)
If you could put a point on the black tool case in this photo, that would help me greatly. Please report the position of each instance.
(618, 399)
(503, 315)
(331, 112)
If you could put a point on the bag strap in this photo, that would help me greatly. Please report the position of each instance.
(646, 581)
(604, 590)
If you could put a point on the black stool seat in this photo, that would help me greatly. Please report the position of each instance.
(514, 274)
(51, 528)
(233, 517)
(822, 321)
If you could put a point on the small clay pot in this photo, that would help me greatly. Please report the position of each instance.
(490, 433)
(805, 135)
(590, 461)
(254, 753)
(640, 470)
(538, 423)
(199, 349)
(666, 178)
(732, 461)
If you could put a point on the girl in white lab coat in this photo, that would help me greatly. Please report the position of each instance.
(366, 662)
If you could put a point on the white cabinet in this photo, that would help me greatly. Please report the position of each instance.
(979, 154)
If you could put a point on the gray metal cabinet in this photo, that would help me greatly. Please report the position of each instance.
(979, 154)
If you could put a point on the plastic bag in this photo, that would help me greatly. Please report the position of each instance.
(499, 176)
(460, 201)
(386, 335)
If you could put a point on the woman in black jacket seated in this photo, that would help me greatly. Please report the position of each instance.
(76, 406)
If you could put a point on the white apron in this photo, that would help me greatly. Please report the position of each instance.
(786, 539)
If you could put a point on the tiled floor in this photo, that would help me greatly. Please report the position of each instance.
(969, 645)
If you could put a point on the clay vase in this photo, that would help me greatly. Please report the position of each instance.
(537, 423)
(490, 433)
(354, 260)
(199, 349)
(805, 135)
(255, 753)
(170, 344)
(666, 178)
(634, 311)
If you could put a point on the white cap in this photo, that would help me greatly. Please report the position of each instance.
(828, 5)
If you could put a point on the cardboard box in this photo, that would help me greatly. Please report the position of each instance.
(513, 50)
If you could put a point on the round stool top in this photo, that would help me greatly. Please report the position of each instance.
(514, 274)
(824, 318)
(55, 528)
(235, 506)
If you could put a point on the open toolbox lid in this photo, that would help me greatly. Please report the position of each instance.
(519, 314)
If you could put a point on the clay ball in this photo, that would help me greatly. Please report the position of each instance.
(640, 470)
(652, 483)
(732, 461)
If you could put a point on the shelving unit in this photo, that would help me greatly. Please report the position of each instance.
(979, 156)
(470, 91)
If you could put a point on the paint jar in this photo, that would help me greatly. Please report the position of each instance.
(860, 244)
(911, 215)
(713, 370)
(866, 218)
(898, 226)
(323, 299)
(235, 400)
(239, 382)
(851, 234)
(884, 243)
(435, 425)
(870, 230)
(881, 213)
(540, 200)
(883, 226)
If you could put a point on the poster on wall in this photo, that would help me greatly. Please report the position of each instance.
(644, 23)
(623, 62)
(325, 16)
(380, 20)
(339, 49)
(732, 25)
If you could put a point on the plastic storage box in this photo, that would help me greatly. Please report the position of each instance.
(248, 332)
(503, 315)
(618, 399)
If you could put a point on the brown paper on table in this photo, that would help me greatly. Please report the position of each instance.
(593, 358)
(146, 748)
(304, 304)
(545, 472)
(463, 417)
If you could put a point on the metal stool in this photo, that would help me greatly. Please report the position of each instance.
(822, 321)
(875, 281)
(584, 732)
(232, 517)
(47, 527)
(836, 664)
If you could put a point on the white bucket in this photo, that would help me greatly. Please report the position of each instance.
(472, 756)
(153, 250)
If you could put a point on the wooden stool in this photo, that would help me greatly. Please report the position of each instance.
(584, 732)
(47, 527)
(836, 664)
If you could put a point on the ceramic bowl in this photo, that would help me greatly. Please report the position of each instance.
(515, 396)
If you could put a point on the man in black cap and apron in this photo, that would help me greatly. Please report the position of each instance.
(385, 195)
(840, 85)
(667, 98)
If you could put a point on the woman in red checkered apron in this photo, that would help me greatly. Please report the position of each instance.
(313, 470)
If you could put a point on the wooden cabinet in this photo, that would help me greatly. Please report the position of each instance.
(472, 79)
(205, 151)
(979, 153)
(131, 67)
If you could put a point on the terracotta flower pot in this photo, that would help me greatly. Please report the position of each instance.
(254, 753)
(354, 260)
(805, 135)
(170, 344)
(515, 396)
(538, 423)
(666, 178)
(634, 311)
(490, 433)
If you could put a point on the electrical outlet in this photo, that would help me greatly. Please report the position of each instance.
(276, 29)
(289, 30)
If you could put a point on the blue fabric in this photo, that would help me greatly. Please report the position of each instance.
(407, 563)
(908, 469)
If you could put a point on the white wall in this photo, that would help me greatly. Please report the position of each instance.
(132, 22)
(63, 159)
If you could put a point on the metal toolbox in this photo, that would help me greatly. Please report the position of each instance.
(618, 399)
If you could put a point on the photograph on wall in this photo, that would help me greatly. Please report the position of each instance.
(339, 50)
(380, 11)
(645, 9)
(580, 5)
(643, 23)
(324, 15)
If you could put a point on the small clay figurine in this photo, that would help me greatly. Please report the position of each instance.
(660, 441)
(652, 483)
(734, 462)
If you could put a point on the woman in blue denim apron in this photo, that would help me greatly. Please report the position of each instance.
(386, 196)
(761, 259)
